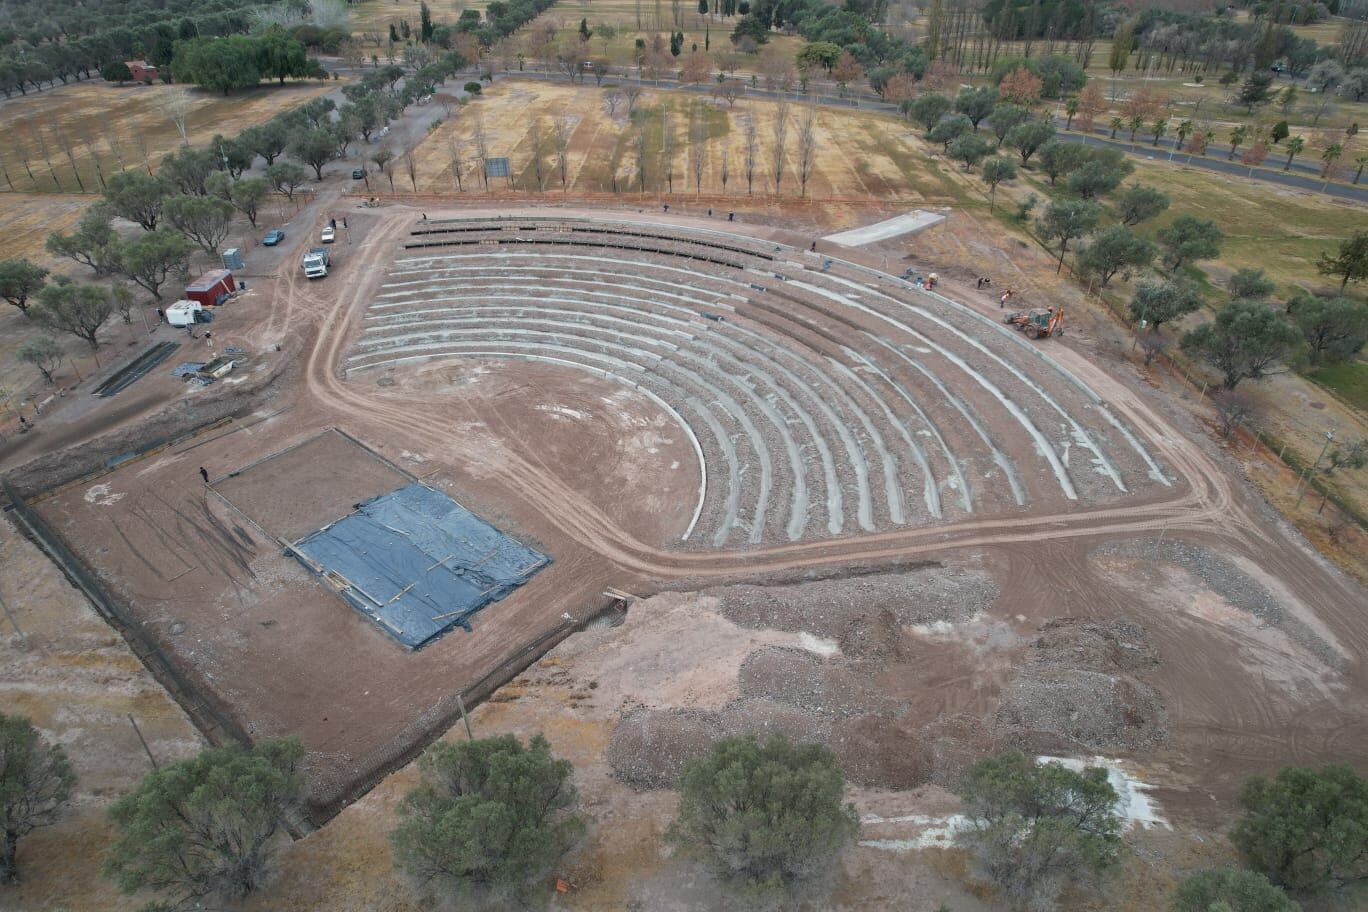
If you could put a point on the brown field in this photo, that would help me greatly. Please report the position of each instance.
(862, 155)
(106, 128)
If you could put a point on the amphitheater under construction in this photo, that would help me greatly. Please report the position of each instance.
(738, 479)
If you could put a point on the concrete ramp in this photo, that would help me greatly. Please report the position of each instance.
(907, 223)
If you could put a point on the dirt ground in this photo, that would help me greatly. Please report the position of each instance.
(1250, 648)
(106, 128)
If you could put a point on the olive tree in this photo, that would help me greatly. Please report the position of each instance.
(35, 783)
(44, 353)
(78, 309)
(766, 816)
(203, 219)
(1034, 828)
(1066, 220)
(1230, 890)
(20, 280)
(209, 825)
(1243, 342)
(489, 820)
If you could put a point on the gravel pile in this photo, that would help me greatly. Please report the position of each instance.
(952, 745)
(871, 635)
(880, 752)
(829, 687)
(763, 718)
(650, 747)
(828, 608)
(1219, 573)
(1077, 689)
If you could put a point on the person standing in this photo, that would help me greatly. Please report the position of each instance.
(204, 473)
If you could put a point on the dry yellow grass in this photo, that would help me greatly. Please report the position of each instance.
(108, 128)
(855, 154)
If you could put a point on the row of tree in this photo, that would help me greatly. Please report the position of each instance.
(491, 818)
(240, 61)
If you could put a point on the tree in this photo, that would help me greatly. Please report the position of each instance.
(1250, 285)
(65, 306)
(1059, 158)
(1139, 203)
(1160, 129)
(152, 257)
(969, 148)
(1035, 827)
(116, 71)
(247, 195)
(1329, 156)
(995, 171)
(1095, 178)
(1066, 220)
(207, 825)
(314, 148)
(766, 817)
(19, 280)
(949, 129)
(1230, 890)
(1021, 86)
(1114, 249)
(425, 26)
(1158, 302)
(1005, 118)
(35, 782)
(490, 819)
(1335, 329)
(1294, 147)
(267, 140)
(219, 63)
(1091, 102)
(44, 353)
(1026, 138)
(1351, 263)
(1188, 239)
(384, 160)
(187, 170)
(285, 178)
(90, 244)
(822, 54)
(976, 103)
(1254, 91)
(1237, 137)
(846, 71)
(1307, 830)
(1279, 132)
(1245, 340)
(1116, 123)
(929, 109)
(203, 219)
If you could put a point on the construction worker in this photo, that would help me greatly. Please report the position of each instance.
(204, 473)
(1002, 301)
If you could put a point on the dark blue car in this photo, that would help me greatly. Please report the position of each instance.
(273, 237)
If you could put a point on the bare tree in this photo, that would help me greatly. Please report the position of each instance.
(411, 168)
(781, 111)
(481, 147)
(43, 151)
(457, 153)
(1233, 408)
(64, 141)
(641, 157)
(111, 138)
(807, 135)
(752, 149)
(698, 137)
(633, 94)
(537, 141)
(667, 146)
(561, 129)
(22, 149)
(140, 141)
(612, 98)
(176, 105)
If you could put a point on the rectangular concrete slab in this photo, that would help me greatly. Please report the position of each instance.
(907, 223)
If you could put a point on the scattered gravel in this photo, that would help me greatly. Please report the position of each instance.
(829, 687)
(650, 747)
(1219, 573)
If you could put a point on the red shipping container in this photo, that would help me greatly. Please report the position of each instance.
(211, 288)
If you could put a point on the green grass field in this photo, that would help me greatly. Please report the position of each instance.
(1349, 380)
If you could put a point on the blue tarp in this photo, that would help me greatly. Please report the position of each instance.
(418, 563)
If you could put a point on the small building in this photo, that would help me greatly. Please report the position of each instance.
(141, 70)
(212, 288)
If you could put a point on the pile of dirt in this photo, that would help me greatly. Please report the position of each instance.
(829, 687)
(881, 752)
(763, 718)
(853, 608)
(871, 635)
(952, 744)
(1077, 689)
(650, 747)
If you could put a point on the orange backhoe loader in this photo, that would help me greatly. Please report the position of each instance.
(1038, 323)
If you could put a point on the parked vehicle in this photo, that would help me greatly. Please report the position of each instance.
(358, 174)
(316, 263)
(328, 235)
(273, 237)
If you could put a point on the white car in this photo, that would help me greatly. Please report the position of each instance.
(329, 235)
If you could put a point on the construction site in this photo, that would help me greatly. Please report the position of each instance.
(640, 479)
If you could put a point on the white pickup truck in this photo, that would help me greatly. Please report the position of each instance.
(316, 263)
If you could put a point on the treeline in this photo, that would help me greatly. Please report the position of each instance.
(501, 19)
(1168, 40)
(31, 57)
(848, 28)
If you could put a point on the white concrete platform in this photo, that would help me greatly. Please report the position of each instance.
(907, 223)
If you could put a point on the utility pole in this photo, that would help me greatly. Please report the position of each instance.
(1329, 439)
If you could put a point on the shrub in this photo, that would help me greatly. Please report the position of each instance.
(1230, 889)
(473, 88)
